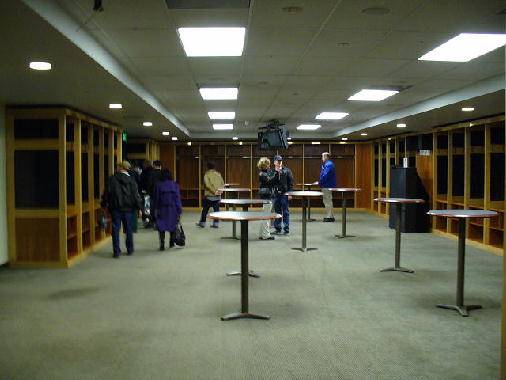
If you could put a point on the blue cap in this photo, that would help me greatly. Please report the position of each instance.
(277, 157)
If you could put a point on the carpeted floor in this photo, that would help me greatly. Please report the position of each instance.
(155, 315)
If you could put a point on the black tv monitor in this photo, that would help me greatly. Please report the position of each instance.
(273, 138)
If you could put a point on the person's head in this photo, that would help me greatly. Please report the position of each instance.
(263, 163)
(325, 156)
(146, 164)
(166, 175)
(278, 160)
(157, 164)
(124, 166)
(211, 165)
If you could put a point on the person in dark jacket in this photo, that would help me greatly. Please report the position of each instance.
(167, 207)
(284, 184)
(121, 198)
(267, 184)
(147, 166)
(154, 176)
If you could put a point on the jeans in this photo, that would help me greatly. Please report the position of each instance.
(265, 226)
(207, 205)
(125, 217)
(281, 207)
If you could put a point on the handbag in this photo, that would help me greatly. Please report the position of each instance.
(265, 192)
(179, 236)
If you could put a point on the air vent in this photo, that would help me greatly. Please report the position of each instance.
(207, 4)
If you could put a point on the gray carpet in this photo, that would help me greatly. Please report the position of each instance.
(155, 315)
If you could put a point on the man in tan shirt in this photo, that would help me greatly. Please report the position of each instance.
(212, 196)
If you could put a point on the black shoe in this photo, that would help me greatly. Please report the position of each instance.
(130, 253)
(162, 247)
(171, 244)
(286, 232)
(329, 220)
(268, 238)
(200, 224)
(115, 256)
(213, 226)
(277, 232)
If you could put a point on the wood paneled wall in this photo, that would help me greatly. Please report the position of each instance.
(363, 175)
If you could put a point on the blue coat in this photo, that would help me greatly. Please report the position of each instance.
(167, 205)
(328, 175)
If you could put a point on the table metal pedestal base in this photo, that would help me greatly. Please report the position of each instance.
(397, 269)
(345, 236)
(304, 249)
(462, 310)
(239, 315)
(251, 273)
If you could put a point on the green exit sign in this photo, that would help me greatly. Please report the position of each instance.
(124, 137)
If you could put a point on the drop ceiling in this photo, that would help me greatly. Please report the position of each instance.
(294, 66)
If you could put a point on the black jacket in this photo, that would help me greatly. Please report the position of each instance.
(154, 177)
(121, 193)
(285, 180)
(144, 179)
(268, 182)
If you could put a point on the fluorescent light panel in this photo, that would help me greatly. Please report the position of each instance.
(373, 95)
(315, 142)
(40, 66)
(401, 125)
(331, 115)
(344, 138)
(147, 124)
(235, 138)
(308, 127)
(165, 133)
(219, 93)
(465, 47)
(212, 42)
(174, 138)
(223, 127)
(363, 134)
(221, 115)
(467, 109)
(115, 105)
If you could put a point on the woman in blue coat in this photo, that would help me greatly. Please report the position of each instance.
(167, 207)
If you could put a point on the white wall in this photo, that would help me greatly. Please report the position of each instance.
(4, 256)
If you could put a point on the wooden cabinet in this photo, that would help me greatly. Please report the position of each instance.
(59, 161)
(461, 166)
(139, 150)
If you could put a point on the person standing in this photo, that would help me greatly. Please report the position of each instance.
(267, 183)
(327, 180)
(147, 166)
(212, 196)
(121, 198)
(154, 176)
(284, 183)
(167, 207)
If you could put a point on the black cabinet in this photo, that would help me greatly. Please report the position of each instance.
(405, 183)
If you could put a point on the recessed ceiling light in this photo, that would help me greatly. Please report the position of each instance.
(40, 66)
(221, 115)
(389, 139)
(467, 109)
(222, 127)
(212, 42)
(344, 138)
(290, 142)
(308, 127)
(174, 138)
(315, 142)
(219, 93)
(189, 143)
(373, 95)
(288, 138)
(147, 124)
(235, 138)
(115, 105)
(331, 115)
(401, 125)
(464, 47)
(240, 142)
(376, 11)
(166, 133)
(363, 134)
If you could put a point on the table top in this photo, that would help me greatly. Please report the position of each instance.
(399, 200)
(244, 201)
(243, 215)
(234, 189)
(463, 213)
(230, 184)
(305, 193)
(344, 188)
(307, 184)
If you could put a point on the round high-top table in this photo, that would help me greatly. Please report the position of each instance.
(305, 199)
(399, 202)
(234, 189)
(244, 218)
(462, 215)
(307, 187)
(343, 190)
(245, 203)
